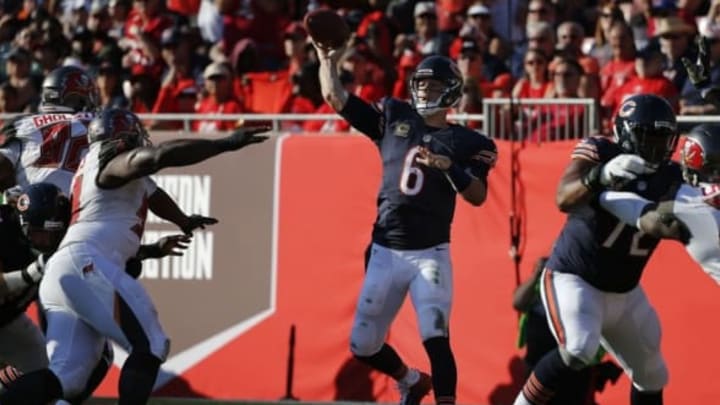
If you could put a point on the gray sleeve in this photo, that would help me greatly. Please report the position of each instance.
(627, 207)
(704, 244)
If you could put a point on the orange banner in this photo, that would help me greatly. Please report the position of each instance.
(324, 206)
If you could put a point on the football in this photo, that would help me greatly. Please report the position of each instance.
(327, 28)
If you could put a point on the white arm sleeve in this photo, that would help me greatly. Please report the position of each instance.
(704, 245)
(626, 206)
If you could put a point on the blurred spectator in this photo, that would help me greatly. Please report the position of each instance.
(17, 67)
(427, 39)
(295, 45)
(599, 46)
(622, 65)
(369, 84)
(47, 56)
(401, 14)
(376, 31)
(406, 66)
(555, 121)
(179, 86)
(119, 11)
(649, 79)
(674, 37)
(540, 35)
(569, 45)
(471, 102)
(471, 63)
(81, 49)
(8, 99)
(479, 16)
(336, 125)
(541, 11)
(218, 100)
(108, 81)
(305, 97)
(141, 91)
(691, 102)
(534, 83)
(143, 29)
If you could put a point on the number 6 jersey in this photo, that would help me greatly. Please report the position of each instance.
(46, 147)
(596, 245)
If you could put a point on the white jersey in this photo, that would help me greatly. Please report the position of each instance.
(697, 207)
(112, 220)
(46, 147)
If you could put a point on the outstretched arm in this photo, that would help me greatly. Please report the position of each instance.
(145, 161)
(162, 205)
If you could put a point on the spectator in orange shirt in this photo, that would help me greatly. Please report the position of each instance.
(535, 82)
(179, 86)
(296, 47)
(569, 43)
(561, 121)
(143, 30)
(219, 99)
(368, 76)
(622, 66)
(406, 66)
(649, 79)
(338, 125)
(470, 62)
(305, 97)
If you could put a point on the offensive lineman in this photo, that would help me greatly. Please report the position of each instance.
(85, 285)
(426, 163)
(590, 286)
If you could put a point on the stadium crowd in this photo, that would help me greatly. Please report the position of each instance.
(234, 56)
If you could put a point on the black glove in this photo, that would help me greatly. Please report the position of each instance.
(195, 222)
(133, 267)
(699, 72)
(243, 137)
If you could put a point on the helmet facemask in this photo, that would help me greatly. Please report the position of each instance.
(654, 143)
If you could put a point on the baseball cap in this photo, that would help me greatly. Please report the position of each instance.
(425, 7)
(216, 69)
(478, 9)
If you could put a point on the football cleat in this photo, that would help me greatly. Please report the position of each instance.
(413, 394)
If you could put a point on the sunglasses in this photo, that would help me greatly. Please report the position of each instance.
(605, 15)
(428, 16)
(538, 39)
(479, 16)
(533, 62)
(565, 74)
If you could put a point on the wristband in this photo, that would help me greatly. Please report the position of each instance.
(591, 179)
(458, 177)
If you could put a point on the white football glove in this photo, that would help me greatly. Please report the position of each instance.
(622, 169)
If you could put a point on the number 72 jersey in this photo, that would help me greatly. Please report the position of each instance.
(597, 246)
(46, 147)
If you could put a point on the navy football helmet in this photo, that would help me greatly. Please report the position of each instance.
(69, 89)
(700, 155)
(645, 125)
(446, 72)
(44, 215)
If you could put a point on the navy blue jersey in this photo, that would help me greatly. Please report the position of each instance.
(15, 254)
(596, 245)
(416, 203)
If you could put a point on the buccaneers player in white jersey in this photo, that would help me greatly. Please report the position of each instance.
(86, 293)
(48, 146)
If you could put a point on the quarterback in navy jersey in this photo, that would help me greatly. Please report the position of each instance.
(590, 286)
(426, 163)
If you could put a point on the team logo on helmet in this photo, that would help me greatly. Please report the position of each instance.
(77, 82)
(627, 108)
(693, 154)
(23, 203)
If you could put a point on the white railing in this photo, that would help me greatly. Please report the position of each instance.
(535, 119)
